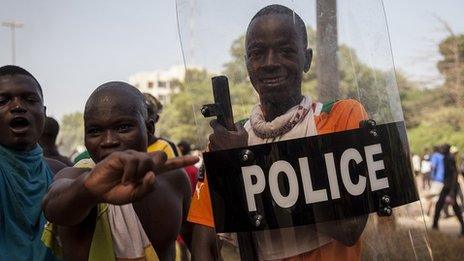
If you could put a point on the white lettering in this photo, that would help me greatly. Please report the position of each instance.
(255, 183)
(347, 156)
(374, 166)
(332, 173)
(252, 189)
(283, 167)
(311, 195)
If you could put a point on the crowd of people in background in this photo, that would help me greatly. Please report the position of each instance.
(439, 172)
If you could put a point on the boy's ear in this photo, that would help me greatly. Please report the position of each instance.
(150, 123)
(308, 59)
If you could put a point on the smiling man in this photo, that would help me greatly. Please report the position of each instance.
(128, 203)
(24, 174)
(276, 58)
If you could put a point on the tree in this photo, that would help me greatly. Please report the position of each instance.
(71, 134)
(444, 125)
(437, 113)
(452, 66)
(181, 120)
(235, 69)
(327, 46)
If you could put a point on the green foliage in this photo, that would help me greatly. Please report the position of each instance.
(365, 84)
(452, 49)
(235, 69)
(444, 125)
(418, 102)
(178, 120)
(452, 67)
(436, 116)
(71, 133)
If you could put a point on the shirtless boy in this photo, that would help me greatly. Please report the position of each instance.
(136, 200)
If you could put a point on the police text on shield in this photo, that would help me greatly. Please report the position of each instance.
(255, 186)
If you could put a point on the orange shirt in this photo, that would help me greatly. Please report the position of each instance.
(340, 116)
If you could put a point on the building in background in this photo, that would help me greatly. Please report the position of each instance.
(159, 83)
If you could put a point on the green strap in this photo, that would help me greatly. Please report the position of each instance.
(101, 248)
(327, 106)
(242, 121)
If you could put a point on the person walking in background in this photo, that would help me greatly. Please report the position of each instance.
(416, 164)
(438, 167)
(48, 141)
(426, 169)
(454, 152)
(446, 207)
(437, 177)
(450, 187)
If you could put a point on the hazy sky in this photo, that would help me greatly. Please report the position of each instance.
(73, 46)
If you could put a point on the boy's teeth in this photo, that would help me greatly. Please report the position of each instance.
(273, 80)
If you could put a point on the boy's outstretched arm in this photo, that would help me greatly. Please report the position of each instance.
(121, 178)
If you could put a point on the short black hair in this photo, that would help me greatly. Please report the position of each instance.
(283, 10)
(16, 70)
(446, 148)
(131, 93)
(186, 145)
(154, 105)
(51, 127)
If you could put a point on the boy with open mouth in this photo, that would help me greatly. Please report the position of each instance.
(24, 173)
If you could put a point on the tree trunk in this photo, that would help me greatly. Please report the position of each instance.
(326, 51)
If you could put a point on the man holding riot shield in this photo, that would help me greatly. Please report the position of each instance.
(276, 58)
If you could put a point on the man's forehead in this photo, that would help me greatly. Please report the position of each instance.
(113, 105)
(19, 82)
(269, 23)
(18, 79)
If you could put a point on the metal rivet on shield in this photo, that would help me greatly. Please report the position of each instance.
(371, 123)
(258, 220)
(388, 211)
(205, 111)
(385, 209)
(246, 156)
(367, 124)
(385, 200)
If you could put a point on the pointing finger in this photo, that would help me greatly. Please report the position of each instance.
(179, 162)
(159, 157)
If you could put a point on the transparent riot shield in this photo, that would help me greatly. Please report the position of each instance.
(307, 157)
